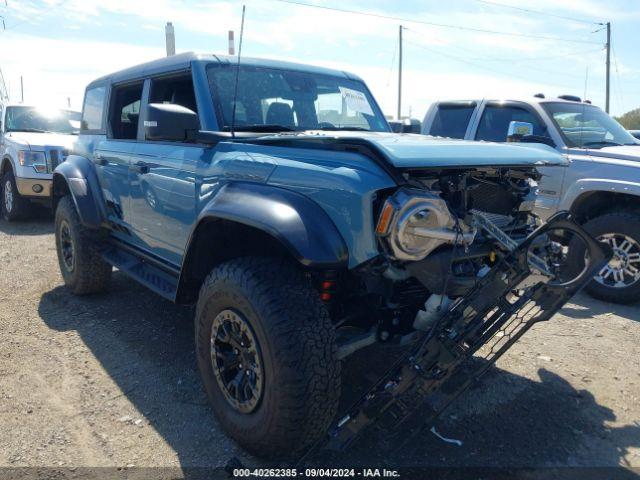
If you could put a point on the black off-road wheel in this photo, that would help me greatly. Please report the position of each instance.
(83, 269)
(619, 280)
(267, 355)
(14, 206)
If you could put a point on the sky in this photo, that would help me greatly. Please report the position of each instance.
(58, 46)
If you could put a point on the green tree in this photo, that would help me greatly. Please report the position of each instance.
(630, 120)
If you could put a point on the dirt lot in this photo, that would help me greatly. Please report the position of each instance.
(111, 381)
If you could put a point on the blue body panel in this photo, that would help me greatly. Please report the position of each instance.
(418, 151)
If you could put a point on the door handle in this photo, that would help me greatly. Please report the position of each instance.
(140, 167)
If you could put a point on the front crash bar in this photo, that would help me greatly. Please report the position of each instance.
(465, 342)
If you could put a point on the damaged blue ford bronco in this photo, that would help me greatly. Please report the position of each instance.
(274, 198)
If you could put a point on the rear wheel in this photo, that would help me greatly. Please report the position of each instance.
(14, 206)
(619, 280)
(83, 269)
(267, 355)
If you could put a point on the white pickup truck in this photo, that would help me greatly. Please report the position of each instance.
(33, 141)
(601, 186)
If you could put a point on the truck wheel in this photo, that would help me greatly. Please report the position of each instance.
(14, 206)
(619, 280)
(267, 355)
(82, 268)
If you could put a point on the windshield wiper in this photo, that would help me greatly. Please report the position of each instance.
(602, 143)
(333, 129)
(259, 127)
(29, 130)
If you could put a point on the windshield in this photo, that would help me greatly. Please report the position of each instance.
(283, 100)
(32, 119)
(586, 126)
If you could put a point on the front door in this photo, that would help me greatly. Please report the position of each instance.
(162, 177)
(163, 197)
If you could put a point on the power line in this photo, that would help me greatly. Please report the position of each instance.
(537, 12)
(615, 64)
(498, 59)
(40, 13)
(483, 67)
(537, 59)
(433, 24)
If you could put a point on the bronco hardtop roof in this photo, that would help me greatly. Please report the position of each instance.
(184, 60)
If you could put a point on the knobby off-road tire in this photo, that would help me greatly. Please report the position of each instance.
(12, 206)
(295, 343)
(618, 228)
(83, 269)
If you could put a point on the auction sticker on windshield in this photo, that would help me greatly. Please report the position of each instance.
(356, 101)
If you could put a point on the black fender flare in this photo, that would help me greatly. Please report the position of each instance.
(297, 222)
(79, 177)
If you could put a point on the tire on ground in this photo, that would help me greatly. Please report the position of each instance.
(297, 344)
(625, 223)
(20, 208)
(87, 272)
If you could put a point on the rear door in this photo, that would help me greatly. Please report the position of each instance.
(493, 126)
(112, 155)
(163, 177)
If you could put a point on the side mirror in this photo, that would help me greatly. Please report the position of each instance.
(167, 121)
(517, 130)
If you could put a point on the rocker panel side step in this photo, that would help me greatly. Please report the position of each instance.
(162, 281)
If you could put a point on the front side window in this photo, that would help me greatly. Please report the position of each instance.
(586, 126)
(125, 111)
(174, 90)
(93, 108)
(451, 120)
(494, 124)
(32, 119)
(279, 100)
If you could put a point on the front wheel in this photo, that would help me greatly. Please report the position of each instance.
(14, 206)
(619, 280)
(267, 355)
(83, 269)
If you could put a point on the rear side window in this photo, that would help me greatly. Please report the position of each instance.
(93, 108)
(125, 111)
(494, 124)
(451, 120)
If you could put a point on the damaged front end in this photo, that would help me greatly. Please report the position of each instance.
(467, 270)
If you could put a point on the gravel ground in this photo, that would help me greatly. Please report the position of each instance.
(111, 380)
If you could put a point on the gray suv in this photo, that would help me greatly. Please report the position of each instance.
(601, 186)
(33, 141)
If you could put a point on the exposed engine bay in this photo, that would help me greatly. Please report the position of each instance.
(460, 338)
(441, 233)
(466, 271)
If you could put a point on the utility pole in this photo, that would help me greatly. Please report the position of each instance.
(232, 49)
(606, 109)
(21, 90)
(400, 72)
(170, 37)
